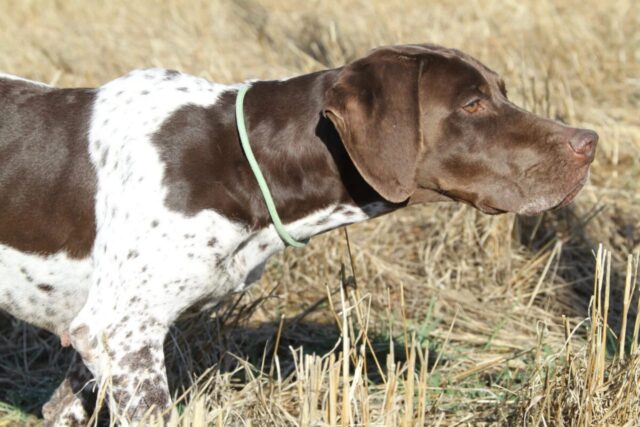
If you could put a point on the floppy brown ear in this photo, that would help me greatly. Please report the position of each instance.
(374, 106)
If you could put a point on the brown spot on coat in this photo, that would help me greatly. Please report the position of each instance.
(44, 287)
(137, 360)
(48, 209)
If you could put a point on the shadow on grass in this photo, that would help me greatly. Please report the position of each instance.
(33, 363)
(577, 264)
(228, 341)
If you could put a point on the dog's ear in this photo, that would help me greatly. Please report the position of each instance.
(374, 106)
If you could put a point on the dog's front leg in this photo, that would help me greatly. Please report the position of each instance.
(142, 281)
(138, 291)
(124, 350)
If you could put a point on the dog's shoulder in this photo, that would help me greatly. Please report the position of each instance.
(150, 85)
(136, 105)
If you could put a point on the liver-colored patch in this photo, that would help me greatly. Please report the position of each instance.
(47, 182)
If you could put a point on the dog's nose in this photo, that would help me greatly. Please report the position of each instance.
(584, 142)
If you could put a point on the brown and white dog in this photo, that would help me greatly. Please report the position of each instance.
(122, 206)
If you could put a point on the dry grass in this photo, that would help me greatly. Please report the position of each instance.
(457, 318)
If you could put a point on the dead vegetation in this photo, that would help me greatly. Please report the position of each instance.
(451, 317)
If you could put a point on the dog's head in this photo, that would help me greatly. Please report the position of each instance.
(421, 118)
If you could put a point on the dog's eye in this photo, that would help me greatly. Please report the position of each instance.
(473, 106)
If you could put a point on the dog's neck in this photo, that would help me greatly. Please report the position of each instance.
(300, 154)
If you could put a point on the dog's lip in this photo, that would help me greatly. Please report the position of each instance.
(490, 210)
(568, 198)
(573, 193)
(481, 206)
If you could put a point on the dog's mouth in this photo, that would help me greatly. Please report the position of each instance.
(482, 206)
(568, 198)
(536, 208)
(489, 210)
(573, 193)
(530, 209)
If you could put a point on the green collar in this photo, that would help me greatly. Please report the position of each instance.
(266, 194)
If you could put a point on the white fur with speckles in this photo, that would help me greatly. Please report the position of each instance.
(47, 291)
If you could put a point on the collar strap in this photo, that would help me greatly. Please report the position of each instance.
(266, 194)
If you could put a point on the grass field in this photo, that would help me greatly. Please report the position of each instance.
(444, 316)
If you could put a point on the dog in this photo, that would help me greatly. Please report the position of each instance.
(125, 205)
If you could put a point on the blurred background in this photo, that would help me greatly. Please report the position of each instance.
(480, 299)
